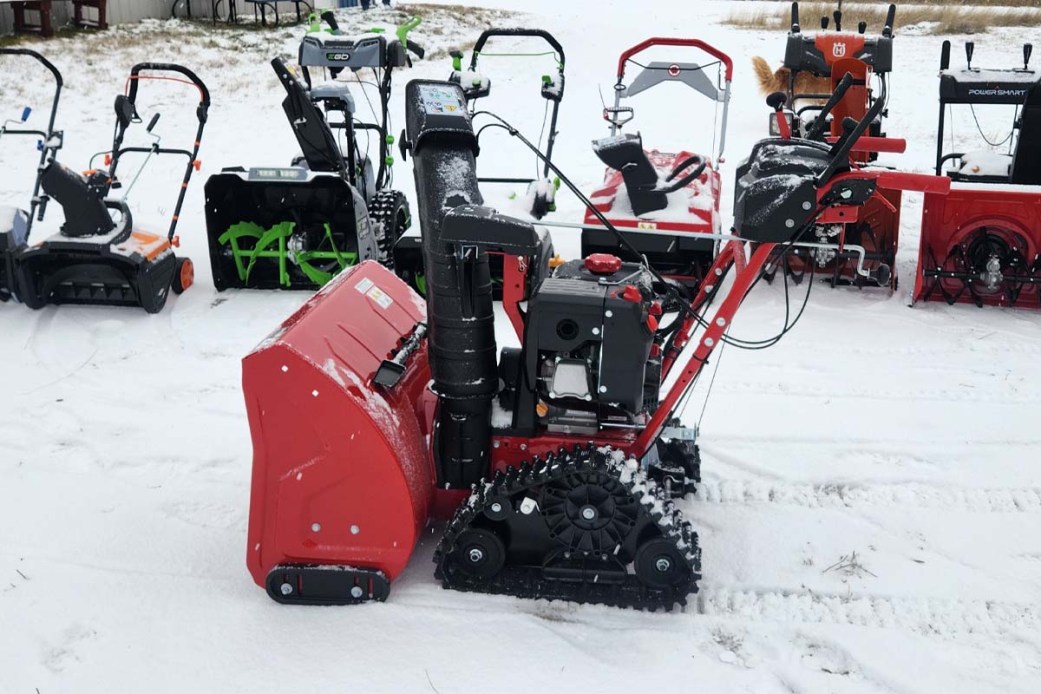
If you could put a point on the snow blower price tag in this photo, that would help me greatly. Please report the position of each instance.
(369, 289)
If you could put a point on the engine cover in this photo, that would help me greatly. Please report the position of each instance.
(602, 322)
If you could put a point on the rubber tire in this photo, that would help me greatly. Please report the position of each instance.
(184, 275)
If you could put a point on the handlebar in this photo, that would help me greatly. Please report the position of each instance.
(692, 43)
(204, 93)
(533, 33)
(39, 58)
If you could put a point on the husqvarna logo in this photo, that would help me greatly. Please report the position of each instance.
(838, 49)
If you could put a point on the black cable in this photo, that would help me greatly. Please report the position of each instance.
(673, 293)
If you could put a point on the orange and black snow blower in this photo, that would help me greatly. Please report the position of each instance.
(554, 463)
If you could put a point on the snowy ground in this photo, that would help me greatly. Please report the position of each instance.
(906, 436)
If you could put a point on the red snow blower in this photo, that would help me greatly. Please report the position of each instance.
(981, 244)
(555, 463)
(826, 117)
(665, 203)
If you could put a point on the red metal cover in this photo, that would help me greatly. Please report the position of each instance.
(341, 473)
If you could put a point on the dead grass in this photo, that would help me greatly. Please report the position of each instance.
(939, 16)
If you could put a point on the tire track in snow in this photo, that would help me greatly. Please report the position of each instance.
(913, 495)
(938, 617)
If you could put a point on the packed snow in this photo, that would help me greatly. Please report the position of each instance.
(871, 510)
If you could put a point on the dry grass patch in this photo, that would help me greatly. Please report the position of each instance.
(939, 16)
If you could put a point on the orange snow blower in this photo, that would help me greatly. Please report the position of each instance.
(981, 244)
(554, 463)
(867, 60)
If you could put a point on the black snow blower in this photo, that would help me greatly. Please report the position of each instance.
(16, 224)
(99, 257)
(297, 226)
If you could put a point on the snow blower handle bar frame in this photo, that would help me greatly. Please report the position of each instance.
(728, 76)
(533, 33)
(50, 145)
(201, 113)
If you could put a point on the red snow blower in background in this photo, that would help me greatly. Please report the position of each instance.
(981, 243)
(826, 117)
(664, 203)
(555, 463)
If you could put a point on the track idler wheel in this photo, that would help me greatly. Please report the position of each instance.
(480, 553)
(659, 564)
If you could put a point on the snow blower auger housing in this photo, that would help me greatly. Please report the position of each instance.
(667, 204)
(555, 463)
(540, 197)
(100, 256)
(295, 227)
(981, 244)
(16, 224)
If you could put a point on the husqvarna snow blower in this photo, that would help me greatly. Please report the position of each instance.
(373, 411)
(100, 256)
(667, 204)
(16, 224)
(981, 244)
(845, 247)
(295, 227)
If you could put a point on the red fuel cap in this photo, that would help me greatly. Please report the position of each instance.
(603, 264)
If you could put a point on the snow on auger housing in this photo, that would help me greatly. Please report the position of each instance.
(295, 227)
(373, 412)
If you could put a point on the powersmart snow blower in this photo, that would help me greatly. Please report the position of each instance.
(555, 463)
(981, 244)
(99, 256)
(825, 116)
(667, 204)
(540, 197)
(296, 227)
(16, 224)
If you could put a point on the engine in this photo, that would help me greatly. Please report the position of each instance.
(591, 325)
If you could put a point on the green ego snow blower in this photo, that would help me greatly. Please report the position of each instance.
(297, 226)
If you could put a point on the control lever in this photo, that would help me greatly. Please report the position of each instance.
(776, 101)
(945, 55)
(840, 91)
(795, 18)
(862, 27)
(887, 28)
(1028, 48)
(838, 20)
(824, 23)
(970, 46)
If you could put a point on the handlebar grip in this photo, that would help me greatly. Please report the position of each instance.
(415, 48)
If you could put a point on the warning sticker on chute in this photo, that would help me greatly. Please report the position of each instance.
(440, 99)
(369, 289)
